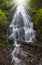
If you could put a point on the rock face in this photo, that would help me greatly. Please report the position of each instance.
(29, 55)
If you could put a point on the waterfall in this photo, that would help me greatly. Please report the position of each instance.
(21, 28)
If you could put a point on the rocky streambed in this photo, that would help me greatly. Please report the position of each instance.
(28, 55)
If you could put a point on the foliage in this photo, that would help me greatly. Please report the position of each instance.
(4, 21)
(38, 23)
(3, 18)
(36, 16)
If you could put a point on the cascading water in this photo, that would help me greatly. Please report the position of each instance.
(21, 28)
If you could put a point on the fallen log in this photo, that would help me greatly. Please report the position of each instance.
(31, 45)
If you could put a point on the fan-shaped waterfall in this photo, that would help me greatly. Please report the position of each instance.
(21, 28)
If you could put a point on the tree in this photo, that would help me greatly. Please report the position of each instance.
(36, 6)
(4, 21)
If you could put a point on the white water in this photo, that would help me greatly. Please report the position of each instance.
(21, 29)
